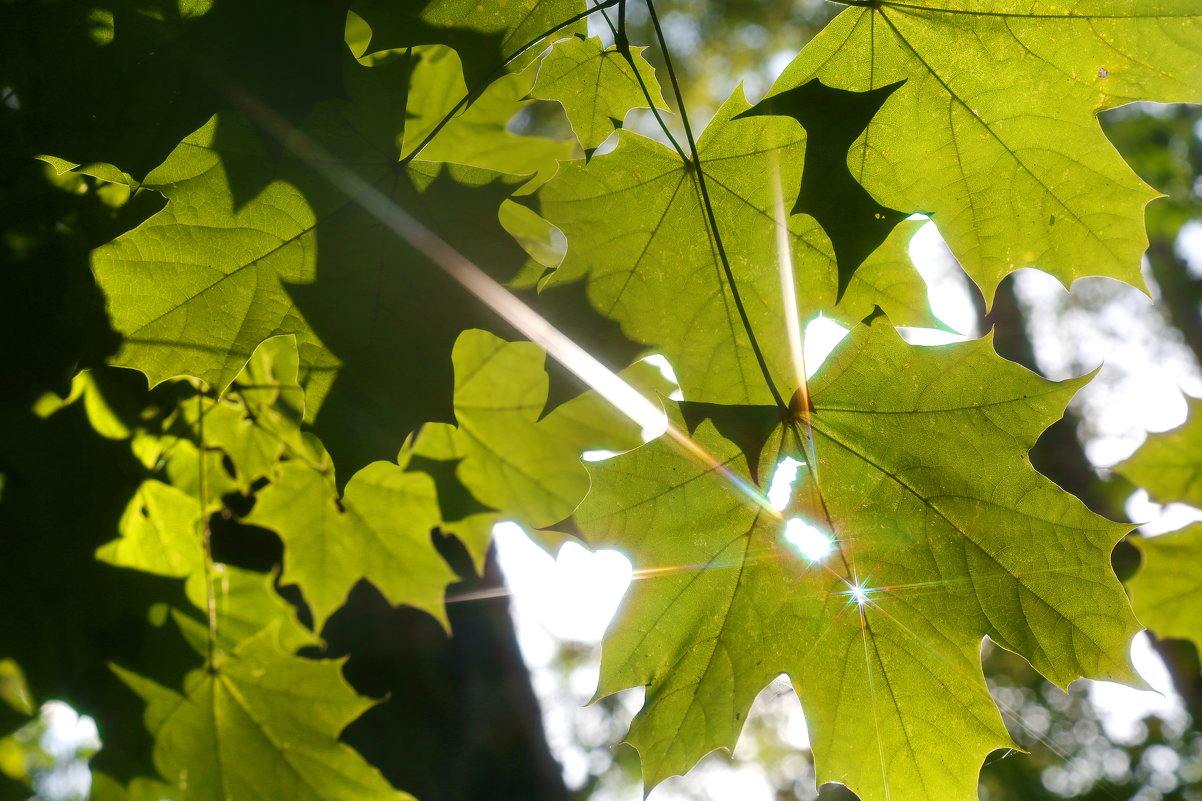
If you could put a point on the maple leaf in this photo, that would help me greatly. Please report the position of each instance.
(486, 35)
(596, 86)
(510, 452)
(379, 530)
(478, 135)
(993, 131)
(940, 534)
(1167, 590)
(200, 284)
(160, 534)
(636, 228)
(1169, 465)
(260, 724)
(834, 119)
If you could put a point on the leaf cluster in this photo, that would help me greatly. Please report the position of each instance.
(322, 251)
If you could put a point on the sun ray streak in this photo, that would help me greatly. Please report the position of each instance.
(788, 287)
(612, 387)
(876, 720)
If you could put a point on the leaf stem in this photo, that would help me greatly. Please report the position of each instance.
(474, 94)
(609, 22)
(709, 211)
(622, 42)
(205, 531)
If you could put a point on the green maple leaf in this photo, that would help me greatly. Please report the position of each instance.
(198, 286)
(941, 534)
(637, 230)
(160, 534)
(245, 603)
(993, 131)
(596, 86)
(834, 119)
(379, 530)
(227, 424)
(1167, 590)
(1169, 465)
(478, 135)
(484, 34)
(259, 724)
(510, 452)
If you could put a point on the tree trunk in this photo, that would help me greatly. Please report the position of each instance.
(460, 721)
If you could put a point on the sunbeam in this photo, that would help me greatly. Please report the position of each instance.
(609, 385)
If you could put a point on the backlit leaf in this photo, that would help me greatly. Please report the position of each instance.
(596, 86)
(478, 135)
(261, 724)
(941, 534)
(513, 454)
(484, 34)
(1169, 465)
(637, 229)
(1167, 590)
(379, 530)
(196, 288)
(993, 131)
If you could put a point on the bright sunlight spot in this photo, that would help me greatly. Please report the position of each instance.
(570, 597)
(567, 601)
(947, 290)
(659, 361)
(1122, 709)
(598, 456)
(821, 337)
(1155, 518)
(859, 593)
(812, 543)
(781, 488)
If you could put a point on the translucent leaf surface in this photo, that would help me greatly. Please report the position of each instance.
(484, 34)
(261, 724)
(379, 530)
(994, 132)
(596, 86)
(1167, 590)
(196, 288)
(1169, 465)
(636, 227)
(478, 135)
(939, 531)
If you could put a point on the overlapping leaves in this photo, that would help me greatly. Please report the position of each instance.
(197, 287)
(658, 270)
(1169, 465)
(994, 133)
(918, 472)
(596, 86)
(942, 532)
(260, 713)
(1168, 587)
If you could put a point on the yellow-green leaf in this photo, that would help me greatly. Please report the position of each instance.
(596, 86)
(939, 531)
(994, 130)
(260, 724)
